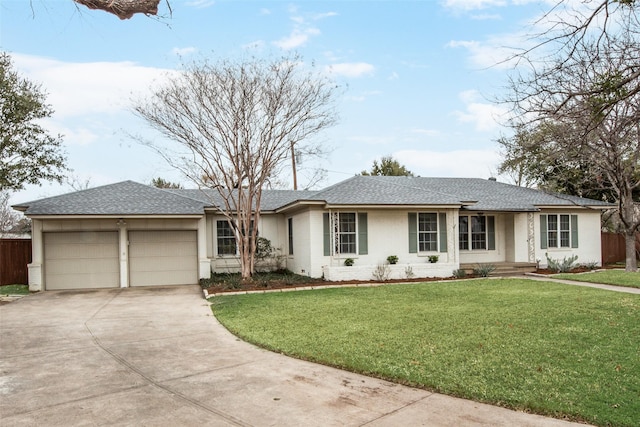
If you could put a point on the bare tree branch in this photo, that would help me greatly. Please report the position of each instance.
(123, 9)
(233, 124)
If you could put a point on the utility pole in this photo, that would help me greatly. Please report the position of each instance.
(293, 165)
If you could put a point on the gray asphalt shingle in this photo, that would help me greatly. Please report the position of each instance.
(123, 198)
(131, 198)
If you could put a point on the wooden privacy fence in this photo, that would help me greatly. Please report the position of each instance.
(15, 254)
(613, 247)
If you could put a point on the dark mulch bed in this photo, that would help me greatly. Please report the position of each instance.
(287, 280)
(274, 284)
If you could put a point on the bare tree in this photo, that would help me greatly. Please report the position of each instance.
(589, 93)
(575, 32)
(234, 123)
(78, 184)
(8, 217)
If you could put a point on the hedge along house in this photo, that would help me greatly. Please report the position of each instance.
(129, 234)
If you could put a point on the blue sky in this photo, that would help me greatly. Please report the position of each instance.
(418, 76)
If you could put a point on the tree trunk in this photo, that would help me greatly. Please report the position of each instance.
(123, 9)
(631, 263)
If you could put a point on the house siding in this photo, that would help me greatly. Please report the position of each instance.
(589, 239)
(485, 255)
(388, 235)
(271, 226)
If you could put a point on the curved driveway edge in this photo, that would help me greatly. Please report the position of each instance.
(157, 357)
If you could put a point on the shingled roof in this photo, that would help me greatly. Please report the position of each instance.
(131, 198)
(271, 199)
(123, 198)
(489, 195)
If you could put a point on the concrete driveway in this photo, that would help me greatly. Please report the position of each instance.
(156, 357)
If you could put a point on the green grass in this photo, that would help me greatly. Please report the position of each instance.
(548, 348)
(607, 277)
(14, 290)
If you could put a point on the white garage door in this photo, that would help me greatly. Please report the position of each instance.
(83, 259)
(163, 258)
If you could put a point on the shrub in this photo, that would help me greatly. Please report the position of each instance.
(433, 258)
(484, 270)
(567, 264)
(392, 259)
(349, 262)
(593, 265)
(459, 273)
(408, 271)
(381, 272)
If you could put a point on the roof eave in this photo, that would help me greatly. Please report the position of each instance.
(393, 206)
(114, 216)
(576, 206)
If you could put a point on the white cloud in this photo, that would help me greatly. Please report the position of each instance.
(351, 69)
(458, 163)
(393, 76)
(302, 31)
(483, 116)
(200, 4)
(324, 15)
(184, 51)
(296, 39)
(76, 135)
(467, 5)
(494, 52)
(486, 17)
(426, 132)
(265, 11)
(80, 88)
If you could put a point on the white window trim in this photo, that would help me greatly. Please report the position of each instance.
(437, 232)
(470, 234)
(558, 230)
(335, 218)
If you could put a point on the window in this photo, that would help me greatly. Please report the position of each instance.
(464, 232)
(290, 234)
(476, 232)
(226, 238)
(427, 232)
(559, 231)
(347, 233)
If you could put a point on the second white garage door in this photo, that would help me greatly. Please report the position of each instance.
(163, 258)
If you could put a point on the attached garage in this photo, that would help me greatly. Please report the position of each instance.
(81, 260)
(163, 257)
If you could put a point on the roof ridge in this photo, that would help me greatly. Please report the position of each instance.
(76, 192)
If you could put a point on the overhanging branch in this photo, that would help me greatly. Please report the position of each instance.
(123, 9)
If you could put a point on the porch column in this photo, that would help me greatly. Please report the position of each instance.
(36, 278)
(204, 265)
(124, 253)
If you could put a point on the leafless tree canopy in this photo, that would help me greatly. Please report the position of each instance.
(576, 103)
(591, 32)
(234, 124)
(123, 9)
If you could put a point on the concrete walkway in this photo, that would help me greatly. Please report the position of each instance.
(545, 278)
(157, 357)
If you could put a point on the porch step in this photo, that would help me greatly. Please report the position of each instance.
(503, 268)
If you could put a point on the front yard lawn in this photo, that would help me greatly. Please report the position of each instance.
(563, 351)
(607, 277)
